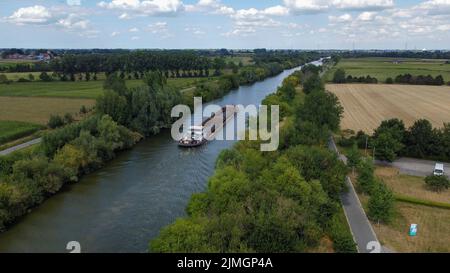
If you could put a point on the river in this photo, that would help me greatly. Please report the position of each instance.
(121, 207)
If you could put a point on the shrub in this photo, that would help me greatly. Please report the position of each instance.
(83, 110)
(68, 118)
(45, 77)
(55, 121)
(437, 183)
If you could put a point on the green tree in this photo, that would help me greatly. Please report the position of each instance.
(421, 140)
(114, 105)
(313, 83)
(386, 146)
(366, 178)
(353, 157)
(322, 109)
(381, 204)
(339, 76)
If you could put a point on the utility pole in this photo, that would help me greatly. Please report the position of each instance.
(367, 144)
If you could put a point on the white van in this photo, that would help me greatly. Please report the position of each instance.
(439, 169)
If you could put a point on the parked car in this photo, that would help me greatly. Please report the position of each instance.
(439, 169)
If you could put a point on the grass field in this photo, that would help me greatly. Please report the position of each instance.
(79, 89)
(38, 110)
(382, 68)
(11, 130)
(412, 186)
(433, 233)
(433, 229)
(366, 105)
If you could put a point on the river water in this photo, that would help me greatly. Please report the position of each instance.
(121, 207)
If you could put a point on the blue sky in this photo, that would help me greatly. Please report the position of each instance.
(298, 24)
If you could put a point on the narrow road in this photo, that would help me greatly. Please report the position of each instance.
(361, 229)
(20, 146)
(415, 167)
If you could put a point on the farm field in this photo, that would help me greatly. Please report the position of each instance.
(366, 105)
(10, 130)
(38, 110)
(383, 68)
(78, 89)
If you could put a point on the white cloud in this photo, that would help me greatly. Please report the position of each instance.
(31, 15)
(340, 19)
(73, 21)
(276, 10)
(307, 6)
(115, 33)
(135, 38)
(318, 6)
(363, 4)
(73, 2)
(195, 30)
(130, 8)
(158, 27)
(367, 16)
(435, 7)
(124, 16)
(134, 29)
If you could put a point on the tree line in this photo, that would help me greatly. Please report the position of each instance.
(284, 201)
(417, 80)
(340, 77)
(392, 139)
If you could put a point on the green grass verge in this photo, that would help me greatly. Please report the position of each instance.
(417, 201)
(12, 130)
(382, 68)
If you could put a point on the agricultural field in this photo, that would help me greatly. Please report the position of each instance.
(246, 60)
(78, 89)
(367, 105)
(383, 68)
(37, 110)
(11, 130)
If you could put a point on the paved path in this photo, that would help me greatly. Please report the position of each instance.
(416, 167)
(20, 146)
(361, 229)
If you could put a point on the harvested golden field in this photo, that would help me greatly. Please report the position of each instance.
(38, 110)
(366, 105)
